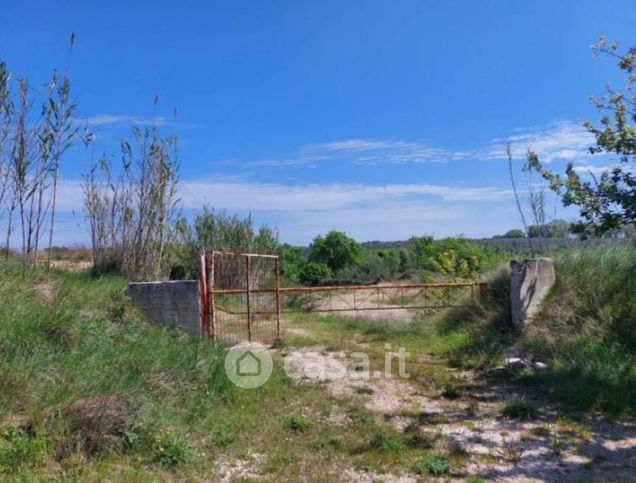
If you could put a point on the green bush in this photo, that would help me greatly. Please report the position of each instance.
(313, 273)
(336, 250)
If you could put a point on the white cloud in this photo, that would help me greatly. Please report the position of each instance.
(364, 152)
(233, 195)
(109, 119)
(594, 170)
(565, 141)
(391, 211)
(560, 140)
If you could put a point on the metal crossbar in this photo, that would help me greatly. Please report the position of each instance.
(241, 296)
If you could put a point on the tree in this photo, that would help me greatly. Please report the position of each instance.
(558, 229)
(608, 201)
(516, 233)
(291, 262)
(336, 250)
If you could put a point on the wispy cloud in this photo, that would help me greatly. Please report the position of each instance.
(246, 195)
(390, 211)
(110, 119)
(567, 141)
(597, 170)
(364, 152)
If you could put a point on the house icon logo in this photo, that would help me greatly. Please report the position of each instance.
(248, 365)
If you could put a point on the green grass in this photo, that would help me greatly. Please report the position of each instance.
(586, 332)
(90, 391)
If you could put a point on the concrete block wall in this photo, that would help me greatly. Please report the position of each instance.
(173, 303)
(530, 282)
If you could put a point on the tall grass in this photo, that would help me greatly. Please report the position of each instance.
(89, 391)
(586, 330)
(73, 345)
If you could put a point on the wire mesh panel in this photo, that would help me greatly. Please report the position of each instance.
(243, 297)
(242, 300)
(383, 297)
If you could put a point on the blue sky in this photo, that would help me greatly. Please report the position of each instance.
(383, 119)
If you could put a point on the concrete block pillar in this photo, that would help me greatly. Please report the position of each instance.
(174, 303)
(530, 282)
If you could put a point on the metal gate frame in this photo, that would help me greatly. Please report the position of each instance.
(208, 293)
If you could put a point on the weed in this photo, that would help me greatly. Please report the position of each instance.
(19, 449)
(387, 444)
(512, 451)
(223, 437)
(557, 445)
(518, 407)
(299, 423)
(451, 391)
(169, 449)
(431, 465)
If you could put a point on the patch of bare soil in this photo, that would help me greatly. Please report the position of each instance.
(297, 331)
(359, 476)
(71, 265)
(343, 301)
(239, 469)
(543, 449)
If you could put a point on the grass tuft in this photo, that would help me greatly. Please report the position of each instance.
(431, 465)
(518, 407)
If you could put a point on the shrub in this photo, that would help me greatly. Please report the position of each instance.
(313, 273)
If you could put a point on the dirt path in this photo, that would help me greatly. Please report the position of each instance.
(546, 448)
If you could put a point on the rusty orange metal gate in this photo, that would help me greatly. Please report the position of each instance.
(241, 297)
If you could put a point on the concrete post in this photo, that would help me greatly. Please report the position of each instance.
(530, 282)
